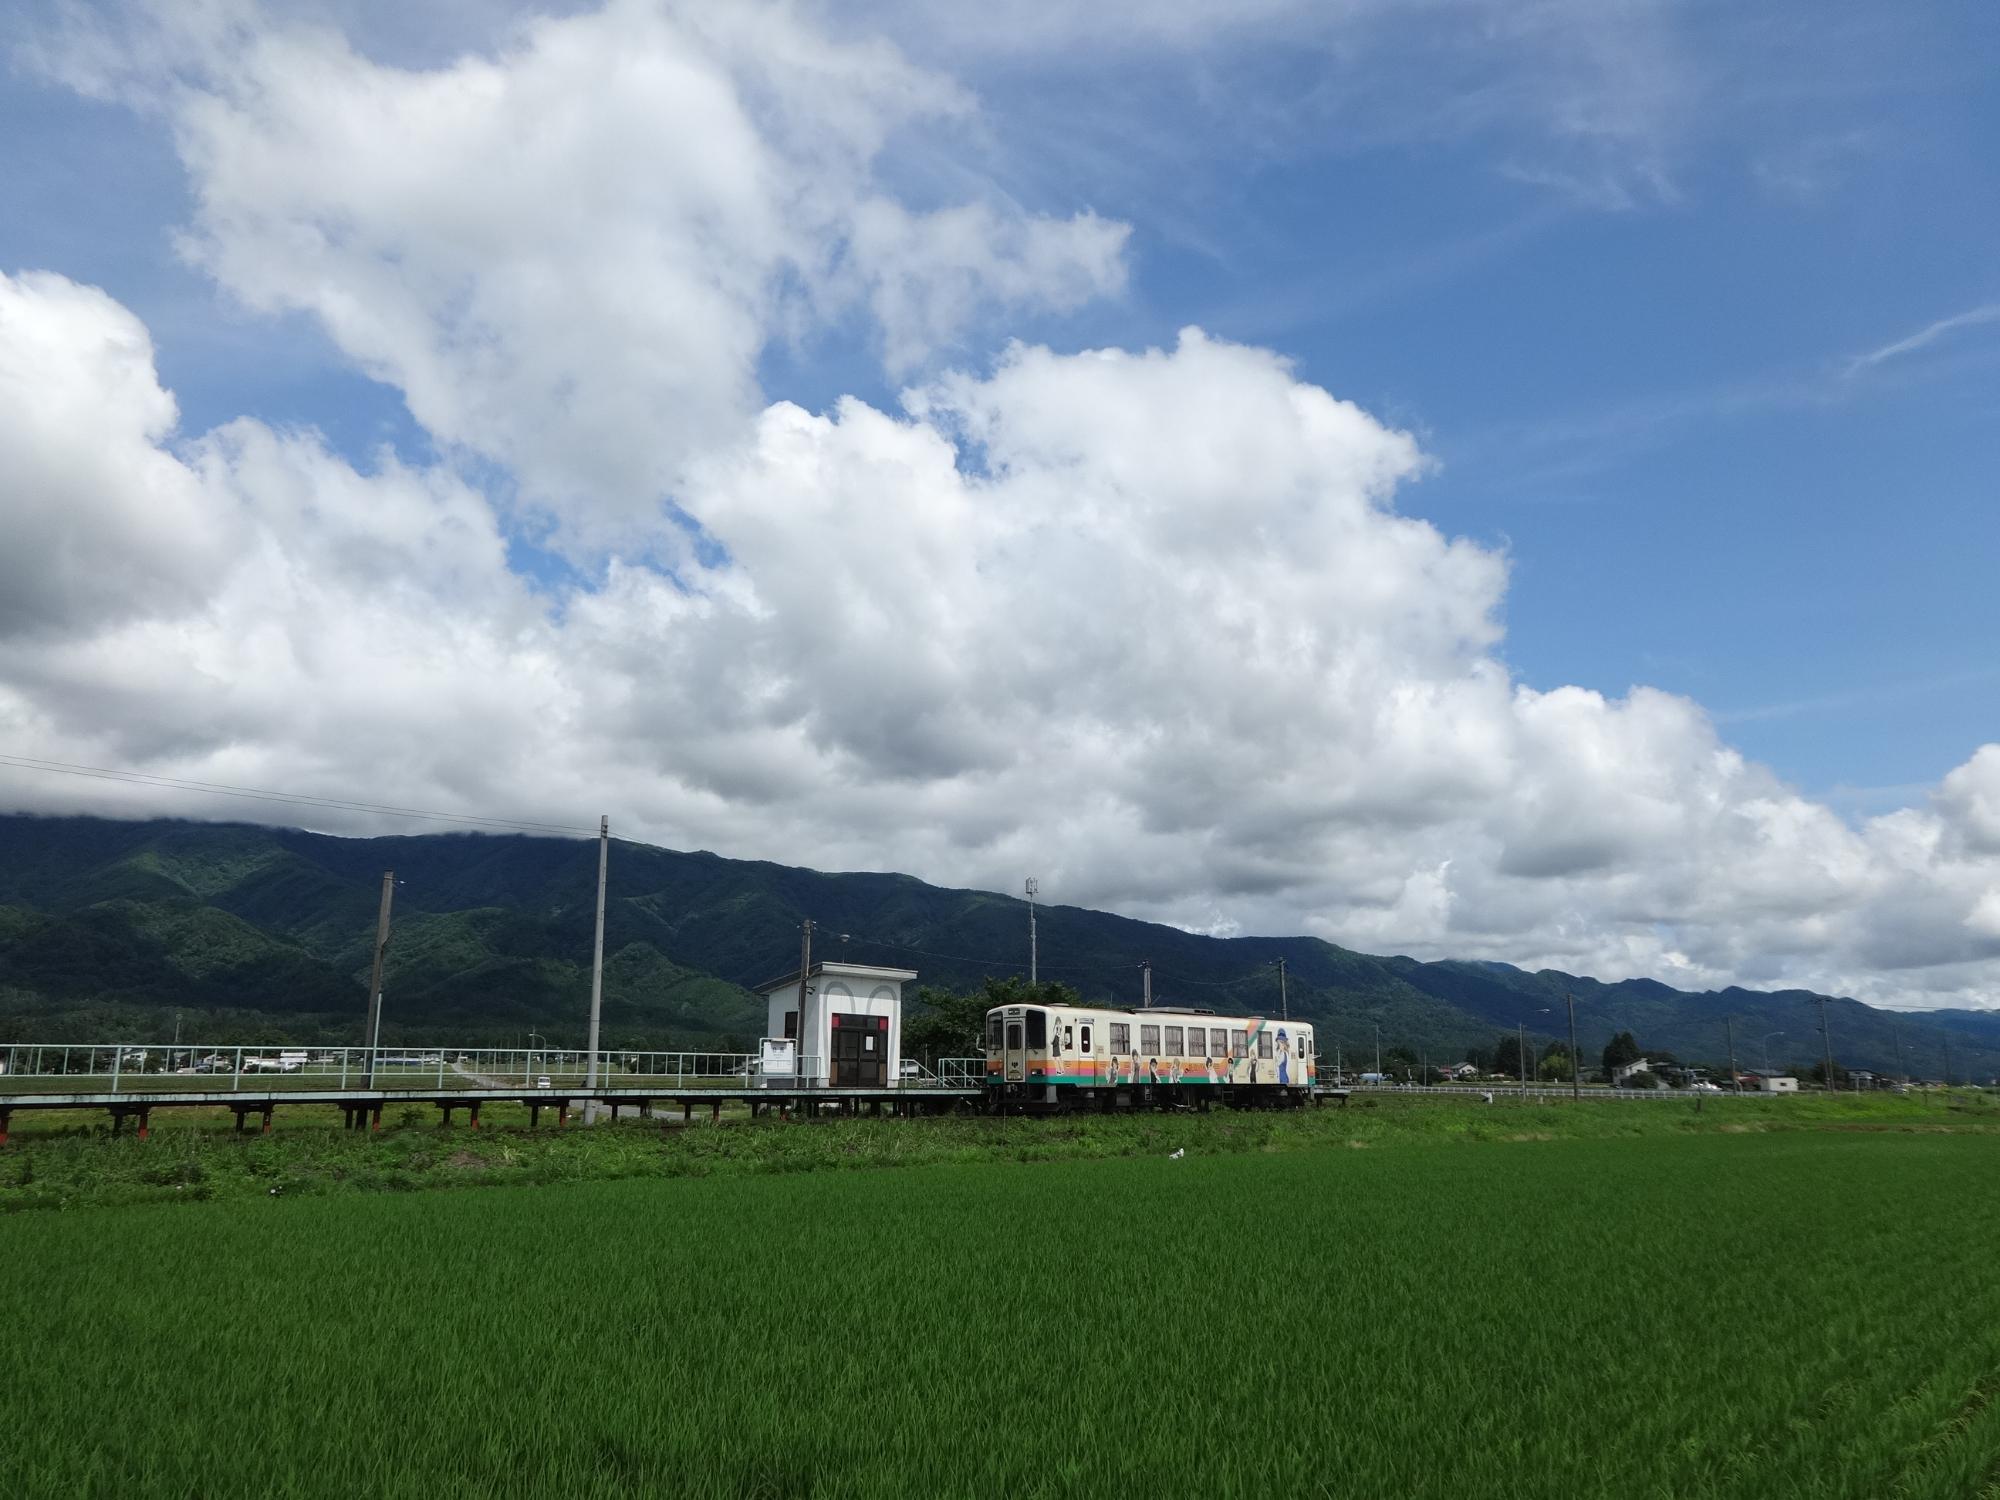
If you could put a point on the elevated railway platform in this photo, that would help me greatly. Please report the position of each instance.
(129, 1083)
(362, 1108)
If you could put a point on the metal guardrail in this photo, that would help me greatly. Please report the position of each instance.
(113, 1068)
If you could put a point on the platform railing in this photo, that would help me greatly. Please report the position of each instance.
(27, 1067)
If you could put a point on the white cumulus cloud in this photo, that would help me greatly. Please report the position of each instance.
(570, 252)
(1154, 624)
(1148, 623)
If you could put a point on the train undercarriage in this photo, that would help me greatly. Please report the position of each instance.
(1060, 1099)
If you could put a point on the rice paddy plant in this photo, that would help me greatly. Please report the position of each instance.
(1800, 1314)
(62, 1161)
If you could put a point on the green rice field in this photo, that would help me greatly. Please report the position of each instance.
(1799, 1313)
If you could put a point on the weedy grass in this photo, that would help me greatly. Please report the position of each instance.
(1796, 1313)
(74, 1162)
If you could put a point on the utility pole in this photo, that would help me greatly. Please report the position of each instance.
(1521, 1052)
(597, 966)
(1146, 983)
(1284, 1006)
(1576, 1058)
(1034, 890)
(1902, 1067)
(374, 1034)
(1826, 1039)
(1378, 1050)
(1729, 1025)
(805, 968)
(1947, 1062)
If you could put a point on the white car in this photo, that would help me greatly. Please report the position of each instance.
(542, 1082)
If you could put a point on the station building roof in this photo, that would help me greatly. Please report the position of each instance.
(837, 970)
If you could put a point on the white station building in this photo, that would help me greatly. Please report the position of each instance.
(853, 1031)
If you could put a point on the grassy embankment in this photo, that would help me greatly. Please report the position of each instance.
(61, 1161)
(1795, 1313)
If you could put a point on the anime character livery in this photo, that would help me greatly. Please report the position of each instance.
(1056, 1058)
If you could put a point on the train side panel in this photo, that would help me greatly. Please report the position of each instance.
(1060, 1057)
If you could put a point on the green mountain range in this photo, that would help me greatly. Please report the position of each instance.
(114, 930)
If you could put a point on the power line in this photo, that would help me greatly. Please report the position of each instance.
(860, 940)
(963, 958)
(266, 794)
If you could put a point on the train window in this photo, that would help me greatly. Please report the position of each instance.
(1121, 1036)
(1013, 1036)
(1172, 1041)
(1149, 1040)
(1239, 1044)
(1305, 1044)
(992, 1030)
(1086, 1038)
(1218, 1042)
(1038, 1028)
(1264, 1042)
(1069, 1038)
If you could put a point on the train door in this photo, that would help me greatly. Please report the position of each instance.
(1086, 1036)
(1016, 1049)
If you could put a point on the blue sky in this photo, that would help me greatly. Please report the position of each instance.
(1694, 314)
(1647, 403)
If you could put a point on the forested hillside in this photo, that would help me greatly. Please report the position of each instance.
(109, 929)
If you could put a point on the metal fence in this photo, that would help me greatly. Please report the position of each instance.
(1532, 1091)
(27, 1067)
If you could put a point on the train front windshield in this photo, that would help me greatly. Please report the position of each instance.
(1017, 1030)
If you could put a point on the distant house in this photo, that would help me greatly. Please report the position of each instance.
(1620, 1074)
(1778, 1085)
(1465, 1070)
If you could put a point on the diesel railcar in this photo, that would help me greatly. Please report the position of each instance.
(1053, 1058)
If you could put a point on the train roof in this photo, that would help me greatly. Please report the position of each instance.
(1151, 1010)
